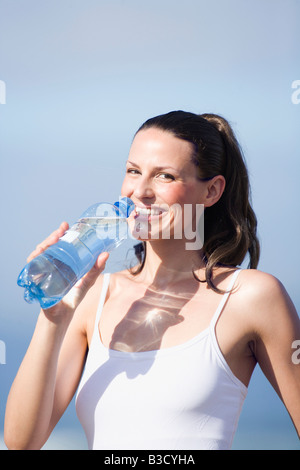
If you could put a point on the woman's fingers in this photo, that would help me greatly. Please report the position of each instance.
(101, 261)
(89, 279)
(77, 293)
(50, 240)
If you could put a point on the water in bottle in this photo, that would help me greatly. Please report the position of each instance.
(49, 276)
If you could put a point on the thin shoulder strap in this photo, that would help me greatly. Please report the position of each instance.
(224, 298)
(105, 285)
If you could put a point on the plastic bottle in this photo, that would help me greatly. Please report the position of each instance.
(49, 276)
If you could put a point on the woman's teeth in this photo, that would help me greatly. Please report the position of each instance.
(147, 212)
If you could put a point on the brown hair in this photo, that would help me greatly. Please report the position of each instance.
(230, 224)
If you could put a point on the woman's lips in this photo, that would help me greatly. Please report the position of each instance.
(149, 212)
(151, 222)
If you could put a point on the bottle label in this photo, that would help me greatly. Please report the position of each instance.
(69, 236)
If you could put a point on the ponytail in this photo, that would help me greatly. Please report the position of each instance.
(230, 224)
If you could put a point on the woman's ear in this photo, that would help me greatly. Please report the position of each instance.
(215, 188)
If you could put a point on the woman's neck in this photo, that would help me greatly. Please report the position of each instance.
(169, 263)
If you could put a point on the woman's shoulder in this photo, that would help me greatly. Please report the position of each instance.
(252, 289)
(264, 299)
(251, 282)
(260, 286)
(259, 279)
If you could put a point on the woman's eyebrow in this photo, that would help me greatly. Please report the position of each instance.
(132, 163)
(157, 168)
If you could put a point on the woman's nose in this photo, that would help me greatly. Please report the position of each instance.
(144, 189)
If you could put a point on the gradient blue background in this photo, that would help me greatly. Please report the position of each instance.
(81, 76)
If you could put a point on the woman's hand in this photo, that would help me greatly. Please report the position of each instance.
(73, 298)
(50, 240)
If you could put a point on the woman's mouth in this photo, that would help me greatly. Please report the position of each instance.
(151, 222)
(149, 212)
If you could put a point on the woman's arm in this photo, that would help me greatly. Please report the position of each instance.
(30, 402)
(51, 369)
(277, 326)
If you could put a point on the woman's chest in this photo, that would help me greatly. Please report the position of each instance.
(154, 321)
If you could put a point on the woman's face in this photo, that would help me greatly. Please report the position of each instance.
(160, 179)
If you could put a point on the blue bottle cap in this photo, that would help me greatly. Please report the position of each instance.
(125, 206)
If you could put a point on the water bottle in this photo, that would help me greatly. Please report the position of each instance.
(49, 276)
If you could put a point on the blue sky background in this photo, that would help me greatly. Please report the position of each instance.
(81, 76)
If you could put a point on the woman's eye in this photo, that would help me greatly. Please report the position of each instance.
(166, 176)
(160, 176)
(132, 171)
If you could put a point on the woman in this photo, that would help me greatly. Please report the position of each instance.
(168, 348)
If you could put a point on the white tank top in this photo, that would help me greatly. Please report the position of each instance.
(181, 397)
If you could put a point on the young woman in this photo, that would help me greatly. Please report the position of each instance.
(162, 355)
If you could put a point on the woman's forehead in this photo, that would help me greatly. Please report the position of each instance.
(160, 144)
